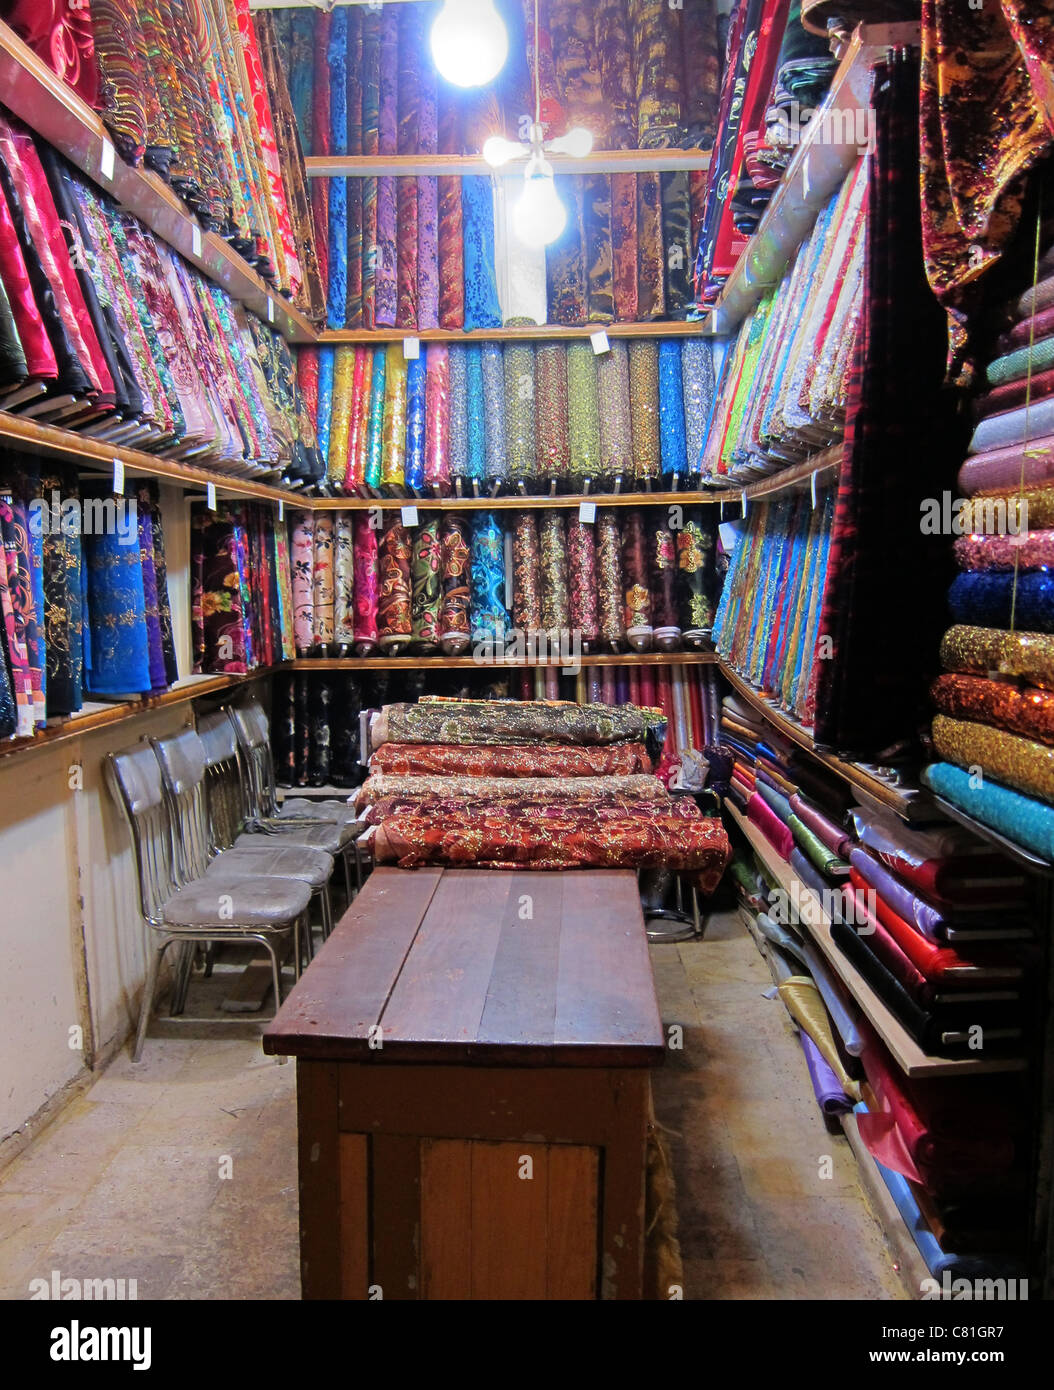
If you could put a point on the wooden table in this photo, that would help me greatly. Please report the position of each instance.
(473, 1089)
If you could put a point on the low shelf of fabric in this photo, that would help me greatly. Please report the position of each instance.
(473, 1053)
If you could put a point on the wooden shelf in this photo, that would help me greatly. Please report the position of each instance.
(48, 106)
(547, 332)
(48, 441)
(908, 1261)
(101, 716)
(795, 478)
(355, 166)
(514, 501)
(817, 169)
(469, 663)
(906, 1052)
(906, 801)
(1028, 861)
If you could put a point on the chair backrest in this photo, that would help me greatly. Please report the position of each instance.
(181, 759)
(254, 740)
(135, 781)
(226, 790)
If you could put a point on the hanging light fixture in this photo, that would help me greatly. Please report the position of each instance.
(469, 42)
(539, 217)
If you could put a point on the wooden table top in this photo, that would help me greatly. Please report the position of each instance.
(487, 966)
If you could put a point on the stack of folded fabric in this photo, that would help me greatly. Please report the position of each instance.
(538, 784)
(994, 731)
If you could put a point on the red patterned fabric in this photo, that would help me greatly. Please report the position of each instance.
(60, 32)
(416, 759)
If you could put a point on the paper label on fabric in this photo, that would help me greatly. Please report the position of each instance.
(729, 535)
(281, 511)
(210, 496)
(118, 478)
(270, 309)
(587, 513)
(812, 489)
(195, 241)
(411, 349)
(600, 342)
(409, 516)
(106, 161)
(743, 500)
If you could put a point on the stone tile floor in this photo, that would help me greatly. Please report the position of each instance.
(180, 1172)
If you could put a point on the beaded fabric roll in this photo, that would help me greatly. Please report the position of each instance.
(415, 424)
(394, 623)
(476, 465)
(1020, 763)
(437, 418)
(583, 429)
(550, 385)
(520, 445)
(672, 435)
(375, 435)
(323, 579)
(454, 628)
(393, 462)
(343, 580)
(1027, 711)
(636, 601)
(1032, 550)
(494, 412)
(364, 540)
(644, 408)
(616, 432)
(526, 560)
(426, 580)
(609, 581)
(1027, 656)
(340, 418)
(697, 374)
(662, 574)
(552, 538)
(582, 581)
(458, 412)
(995, 600)
(489, 618)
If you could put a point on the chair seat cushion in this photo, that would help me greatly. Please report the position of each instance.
(252, 903)
(332, 838)
(301, 808)
(311, 866)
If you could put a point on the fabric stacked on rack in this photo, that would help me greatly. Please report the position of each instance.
(489, 418)
(527, 585)
(84, 603)
(198, 91)
(315, 728)
(103, 329)
(241, 595)
(548, 819)
(786, 382)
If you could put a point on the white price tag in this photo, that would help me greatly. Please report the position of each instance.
(411, 349)
(587, 513)
(270, 309)
(812, 489)
(409, 516)
(210, 496)
(195, 240)
(118, 478)
(743, 500)
(281, 510)
(600, 342)
(806, 187)
(106, 161)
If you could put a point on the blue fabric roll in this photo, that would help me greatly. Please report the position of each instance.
(671, 408)
(984, 599)
(494, 411)
(482, 309)
(489, 616)
(476, 464)
(326, 360)
(415, 422)
(1027, 822)
(458, 411)
(119, 647)
(697, 374)
(1014, 426)
(375, 433)
(36, 572)
(337, 57)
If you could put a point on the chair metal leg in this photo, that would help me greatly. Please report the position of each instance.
(153, 967)
(327, 913)
(184, 969)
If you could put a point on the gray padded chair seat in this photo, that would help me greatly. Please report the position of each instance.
(300, 808)
(254, 903)
(331, 838)
(310, 866)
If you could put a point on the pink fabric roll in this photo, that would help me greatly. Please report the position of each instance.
(778, 835)
(437, 417)
(1002, 468)
(366, 584)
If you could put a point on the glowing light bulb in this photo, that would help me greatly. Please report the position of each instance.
(498, 151)
(539, 217)
(469, 42)
(576, 144)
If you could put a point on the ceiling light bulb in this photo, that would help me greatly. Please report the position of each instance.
(498, 151)
(576, 144)
(539, 217)
(469, 42)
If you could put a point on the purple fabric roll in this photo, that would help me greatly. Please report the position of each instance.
(929, 920)
(386, 268)
(830, 1097)
(427, 202)
(1002, 468)
(388, 126)
(838, 841)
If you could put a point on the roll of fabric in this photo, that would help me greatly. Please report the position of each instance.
(596, 205)
(526, 589)
(458, 412)
(677, 242)
(393, 460)
(375, 432)
(565, 259)
(437, 418)
(302, 559)
(636, 601)
(385, 258)
(520, 269)
(415, 423)
(520, 443)
(616, 432)
(1032, 550)
(426, 579)
(582, 581)
(1028, 711)
(357, 99)
(1014, 511)
(836, 840)
(662, 571)
(552, 537)
(656, 35)
(358, 423)
(610, 595)
(697, 374)
(441, 720)
(624, 246)
(1023, 764)
(986, 599)
(1012, 427)
(695, 580)
(427, 198)
(364, 540)
(804, 1004)
(497, 470)
(336, 306)
(1020, 818)
(651, 265)
(1026, 656)
(451, 228)
(476, 468)
(517, 761)
(644, 408)
(672, 432)
(583, 426)
(454, 608)
(489, 618)
(394, 620)
(326, 365)
(343, 580)
(551, 412)
(481, 292)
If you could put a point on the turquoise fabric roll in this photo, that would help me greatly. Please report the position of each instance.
(476, 410)
(375, 437)
(326, 360)
(671, 409)
(489, 616)
(415, 423)
(1014, 365)
(1027, 822)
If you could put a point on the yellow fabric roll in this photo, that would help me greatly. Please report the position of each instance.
(393, 464)
(1020, 763)
(802, 1001)
(1002, 512)
(1026, 656)
(340, 418)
